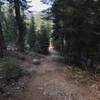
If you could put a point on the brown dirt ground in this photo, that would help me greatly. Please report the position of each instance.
(54, 81)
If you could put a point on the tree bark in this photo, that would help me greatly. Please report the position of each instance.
(19, 21)
(2, 41)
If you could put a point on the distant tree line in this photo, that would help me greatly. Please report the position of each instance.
(38, 40)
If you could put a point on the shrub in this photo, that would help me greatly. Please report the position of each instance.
(10, 69)
(37, 47)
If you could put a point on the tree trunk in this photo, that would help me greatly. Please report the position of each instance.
(2, 41)
(19, 21)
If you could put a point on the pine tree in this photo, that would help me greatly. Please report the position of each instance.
(2, 41)
(32, 34)
(9, 26)
(76, 24)
(19, 21)
(43, 38)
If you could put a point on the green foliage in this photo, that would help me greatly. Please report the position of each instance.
(9, 68)
(32, 34)
(43, 38)
(37, 47)
(76, 27)
(39, 40)
(9, 27)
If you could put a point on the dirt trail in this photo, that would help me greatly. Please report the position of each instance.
(52, 84)
(52, 81)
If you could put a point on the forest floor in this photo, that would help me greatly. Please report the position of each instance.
(52, 80)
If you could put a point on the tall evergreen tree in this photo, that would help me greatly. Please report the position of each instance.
(2, 41)
(20, 23)
(32, 33)
(20, 41)
(76, 24)
(9, 26)
(43, 38)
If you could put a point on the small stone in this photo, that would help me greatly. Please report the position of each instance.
(7, 94)
(41, 88)
(93, 86)
(17, 88)
(44, 93)
(13, 84)
(22, 83)
(1, 77)
(36, 61)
